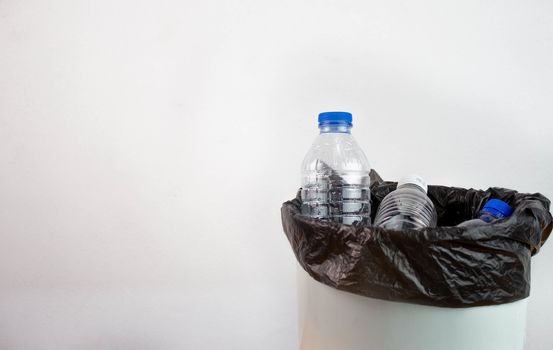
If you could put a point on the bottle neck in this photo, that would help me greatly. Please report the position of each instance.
(487, 217)
(489, 214)
(344, 128)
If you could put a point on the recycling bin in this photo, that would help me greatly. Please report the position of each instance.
(330, 319)
(362, 287)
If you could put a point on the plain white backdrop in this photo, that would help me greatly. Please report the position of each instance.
(146, 148)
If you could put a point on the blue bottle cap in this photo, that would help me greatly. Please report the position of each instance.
(335, 118)
(498, 208)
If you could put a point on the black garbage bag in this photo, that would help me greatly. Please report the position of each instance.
(444, 266)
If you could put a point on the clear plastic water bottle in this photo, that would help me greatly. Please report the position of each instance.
(494, 209)
(335, 174)
(408, 207)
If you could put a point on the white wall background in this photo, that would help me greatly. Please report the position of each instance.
(146, 148)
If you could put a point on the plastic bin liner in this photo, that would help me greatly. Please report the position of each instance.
(444, 266)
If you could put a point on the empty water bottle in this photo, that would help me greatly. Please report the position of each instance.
(335, 174)
(494, 209)
(408, 207)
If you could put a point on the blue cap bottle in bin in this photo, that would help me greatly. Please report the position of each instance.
(494, 209)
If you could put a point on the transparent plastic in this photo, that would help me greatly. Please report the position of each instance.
(335, 178)
(408, 207)
(484, 218)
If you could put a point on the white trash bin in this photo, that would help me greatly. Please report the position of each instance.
(330, 319)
